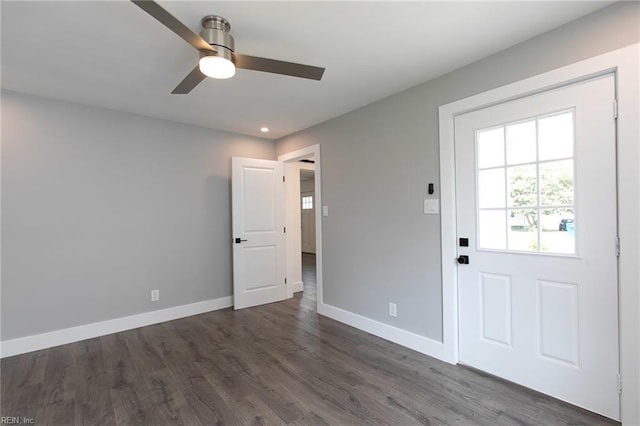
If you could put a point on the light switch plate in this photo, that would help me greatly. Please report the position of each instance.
(325, 211)
(393, 309)
(431, 206)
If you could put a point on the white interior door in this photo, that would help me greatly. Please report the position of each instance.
(536, 201)
(257, 192)
(308, 222)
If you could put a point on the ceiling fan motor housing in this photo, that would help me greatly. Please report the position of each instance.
(215, 31)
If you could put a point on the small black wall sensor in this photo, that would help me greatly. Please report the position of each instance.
(430, 188)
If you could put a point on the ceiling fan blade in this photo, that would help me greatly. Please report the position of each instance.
(190, 81)
(278, 67)
(169, 21)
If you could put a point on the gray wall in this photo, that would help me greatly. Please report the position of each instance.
(100, 207)
(378, 247)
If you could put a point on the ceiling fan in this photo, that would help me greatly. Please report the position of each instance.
(218, 58)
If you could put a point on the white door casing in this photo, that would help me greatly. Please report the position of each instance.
(294, 255)
(257, 189)
(547, 321)
(294, 184)
(292, 218)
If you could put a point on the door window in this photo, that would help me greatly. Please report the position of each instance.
(307, 202)
(525, 185)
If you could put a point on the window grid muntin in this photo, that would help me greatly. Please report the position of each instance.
(307, 202)
(537, 208)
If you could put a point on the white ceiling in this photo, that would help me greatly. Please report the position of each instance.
(112, 54)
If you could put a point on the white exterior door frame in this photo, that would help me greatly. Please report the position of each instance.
(624, 63)
(292, 190)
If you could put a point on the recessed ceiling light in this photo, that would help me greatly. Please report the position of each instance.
(264, 129)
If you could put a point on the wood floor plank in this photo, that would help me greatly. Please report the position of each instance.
(142, 352)
(23, 402)
(277, 364)
(208, 406)
(164, 398)
(58, 384)
(61, 412)
(91, 378)
(239, 388)
(25, 371)
(310, 419)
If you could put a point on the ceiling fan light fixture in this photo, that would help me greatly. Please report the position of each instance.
(217, 67)
(217, 47)
(219, 64)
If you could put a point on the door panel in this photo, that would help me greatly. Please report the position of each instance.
(496, 308)
(557, 313)
(258, 232)
(536, 196)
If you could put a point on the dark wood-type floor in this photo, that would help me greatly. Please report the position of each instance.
(275, 364)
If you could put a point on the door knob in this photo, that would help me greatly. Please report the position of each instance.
(238, 240)
(463, 259)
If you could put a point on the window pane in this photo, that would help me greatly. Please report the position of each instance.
(491, 188)
(521, 143)
(307, 202)
(558, 231)
(525, 180)
(556, 183)
(555, 136)
(523, 233)
(492, 229)
(490, 147)
(522, 181)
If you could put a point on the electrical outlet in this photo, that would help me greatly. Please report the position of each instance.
(393, 309)
(155, 295)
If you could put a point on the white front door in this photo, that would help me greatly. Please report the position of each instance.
(308, 222)
(536, 216)
(257, 199)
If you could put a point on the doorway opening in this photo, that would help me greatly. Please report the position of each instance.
(303, 217)
(308, 228)
(307, 206)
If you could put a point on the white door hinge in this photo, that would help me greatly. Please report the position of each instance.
(617, 246)
(619, 384)
(615, 108)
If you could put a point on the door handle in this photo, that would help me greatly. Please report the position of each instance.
(238, 240)
(463, 259)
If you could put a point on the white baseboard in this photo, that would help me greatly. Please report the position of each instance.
(405, 338)
(74, 334)
(298, 286)
(22, 345)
